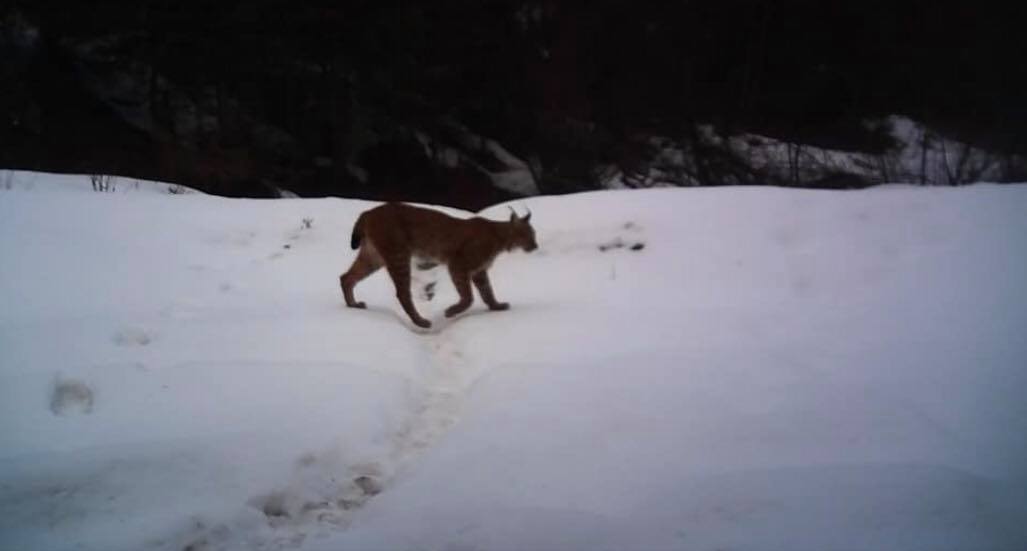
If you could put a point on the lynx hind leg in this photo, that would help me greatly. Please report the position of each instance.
(366, 263)
(399, 270)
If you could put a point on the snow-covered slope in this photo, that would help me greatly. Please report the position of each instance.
(918, 155)
(732, 368)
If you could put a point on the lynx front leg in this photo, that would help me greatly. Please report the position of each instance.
(400, 273)
(481, 281)
(463, 286)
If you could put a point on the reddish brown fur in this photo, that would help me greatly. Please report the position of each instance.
(391, 234)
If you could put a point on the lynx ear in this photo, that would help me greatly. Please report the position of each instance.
(515, 218)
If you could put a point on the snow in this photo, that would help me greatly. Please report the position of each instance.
(27, 180)
(728, 368)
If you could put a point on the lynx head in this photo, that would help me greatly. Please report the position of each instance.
(521, 235)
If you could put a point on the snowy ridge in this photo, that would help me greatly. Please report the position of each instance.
(27, 180)
(920, 156)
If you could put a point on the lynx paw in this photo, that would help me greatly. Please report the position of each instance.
(454, 310)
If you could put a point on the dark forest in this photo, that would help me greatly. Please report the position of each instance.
(398, 100)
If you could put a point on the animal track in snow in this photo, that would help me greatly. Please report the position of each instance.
(71, 396)
(324, 489)
(320, 494)
(623, 240)
(234, 238)
(627, 235)
(619, 243)
(183, 309)
(132, 336)
(294, 236)
(450, 377)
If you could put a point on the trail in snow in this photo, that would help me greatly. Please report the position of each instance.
(439, 405)
(324, 490)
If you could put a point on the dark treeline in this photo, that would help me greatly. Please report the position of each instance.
(362, 99)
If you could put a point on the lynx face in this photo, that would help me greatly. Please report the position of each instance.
(523, 235)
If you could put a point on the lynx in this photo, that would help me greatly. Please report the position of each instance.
(392, 234)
